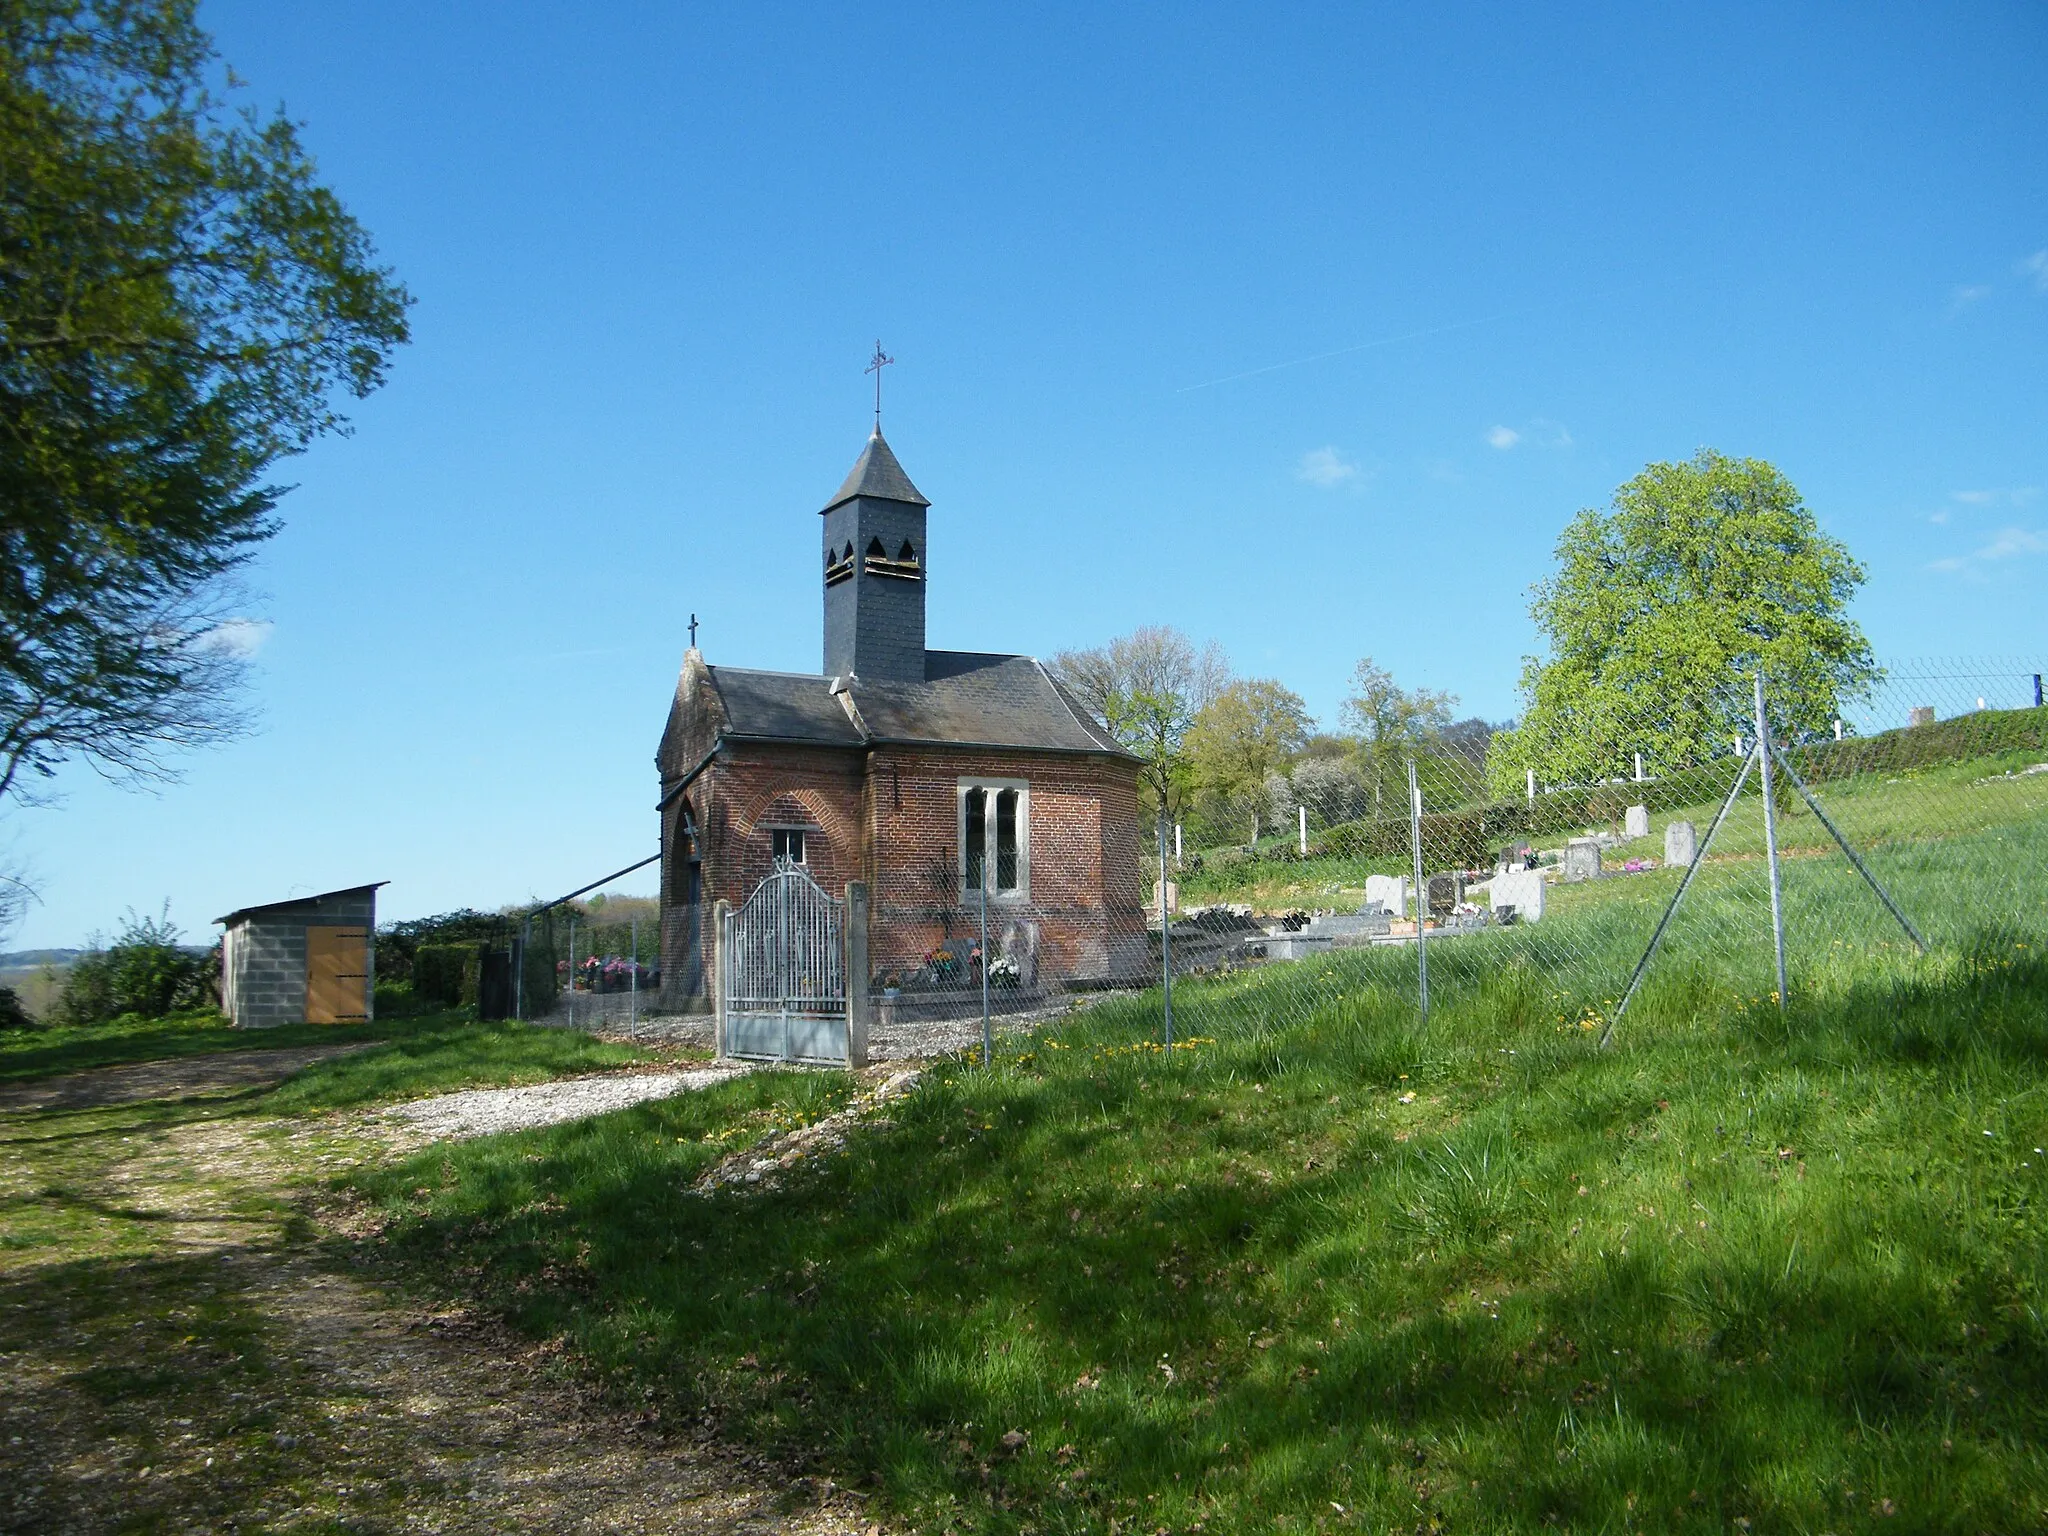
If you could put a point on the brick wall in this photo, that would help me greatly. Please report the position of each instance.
(890, 815)
(1082, 914)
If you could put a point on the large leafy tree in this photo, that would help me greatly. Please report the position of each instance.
(181, 301)
(1252, 728)
(1663, 607)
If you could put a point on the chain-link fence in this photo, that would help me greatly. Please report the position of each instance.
(1910, 819)
(1640, 851)
(591, 959)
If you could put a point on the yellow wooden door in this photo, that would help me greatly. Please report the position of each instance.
(337, 975)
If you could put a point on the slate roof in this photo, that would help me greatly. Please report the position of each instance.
(969, 698)
(876, 473)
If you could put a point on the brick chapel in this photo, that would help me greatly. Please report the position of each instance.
(918, 771)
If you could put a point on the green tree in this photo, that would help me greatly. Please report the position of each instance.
(1391, 723)
(180, 300)
(1250, 729)
(145, 972)
(1698, 575)
(1147, 687)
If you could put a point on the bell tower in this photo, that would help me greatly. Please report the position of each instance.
(875, 567)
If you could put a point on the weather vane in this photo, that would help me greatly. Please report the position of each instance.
(875, 366)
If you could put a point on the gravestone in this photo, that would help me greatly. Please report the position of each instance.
(1582, 859)
(1924, 715)
(1297, 946)
(1521, 889)
(1349, 929)
(1681, 844)
(1445, 892)
(1389, 893)
(1636, 822)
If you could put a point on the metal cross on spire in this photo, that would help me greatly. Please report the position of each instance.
(875, 366)
(693, 631)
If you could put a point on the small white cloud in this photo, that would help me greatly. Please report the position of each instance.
(1503, 438)
(1974, 498)
(1327, 468)
(239, 638)
(1938, 517)
(2006, 544)
(2036, 267)
(2011, 542)
(1964, 295)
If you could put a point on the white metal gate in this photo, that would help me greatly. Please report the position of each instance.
(785, 973)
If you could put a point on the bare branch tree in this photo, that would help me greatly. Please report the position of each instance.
(1147, 687)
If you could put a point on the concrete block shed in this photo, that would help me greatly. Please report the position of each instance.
(311, 959)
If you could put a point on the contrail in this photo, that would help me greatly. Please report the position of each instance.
(1386, 341)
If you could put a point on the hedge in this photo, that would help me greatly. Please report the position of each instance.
(445, 974)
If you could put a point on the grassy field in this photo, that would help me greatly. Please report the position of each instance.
(1324, 1267)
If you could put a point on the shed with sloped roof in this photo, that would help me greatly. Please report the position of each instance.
(311, 959)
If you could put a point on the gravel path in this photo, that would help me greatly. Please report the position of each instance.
(487, 1111)
(904, 1040)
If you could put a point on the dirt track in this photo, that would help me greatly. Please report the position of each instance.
(185, 1351)
(176, 1079)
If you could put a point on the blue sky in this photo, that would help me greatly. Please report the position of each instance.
(1303, 327)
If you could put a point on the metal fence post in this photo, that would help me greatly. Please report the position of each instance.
(857, 974)
(1165, 929)
(519, 968)
(1763, 748)
(721, 966)
(988, 1037)
(1421, 891)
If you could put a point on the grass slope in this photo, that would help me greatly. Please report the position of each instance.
(1322, 1266)
(1909, 807)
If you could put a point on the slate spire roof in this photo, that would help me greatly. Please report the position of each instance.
(876, 473)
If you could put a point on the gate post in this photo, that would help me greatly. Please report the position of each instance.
(856, 974)
(721, 962)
